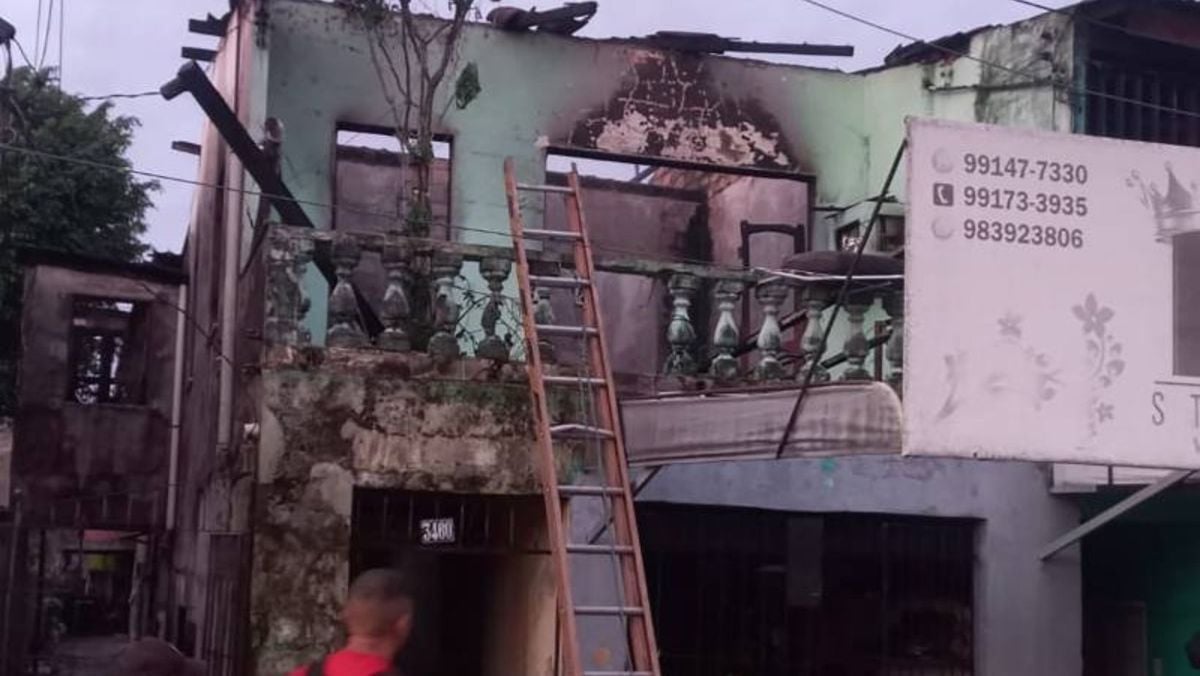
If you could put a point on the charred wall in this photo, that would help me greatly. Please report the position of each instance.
(80, 437)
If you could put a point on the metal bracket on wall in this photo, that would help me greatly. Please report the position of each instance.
(1075, 534)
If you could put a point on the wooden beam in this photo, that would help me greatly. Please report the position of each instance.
(198, 54)
(209, 25)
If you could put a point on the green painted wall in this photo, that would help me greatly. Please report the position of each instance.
(1152, 557)
(315, 71)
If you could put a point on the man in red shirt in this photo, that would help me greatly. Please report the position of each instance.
(378, 616)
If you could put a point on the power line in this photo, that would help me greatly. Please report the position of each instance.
(37, 32)
(1078, 14)
(25, 56)
(1034, 77)
(46, 41)
(62, 11)
(366, 212)
(136, 95)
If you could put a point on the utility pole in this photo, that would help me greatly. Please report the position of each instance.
(7, 34)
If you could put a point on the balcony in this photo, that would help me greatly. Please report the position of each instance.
(728, 344)
(763, 334)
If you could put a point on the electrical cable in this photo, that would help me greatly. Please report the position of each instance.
(1106, 24)
(46, 41)
(62, 11)
(137, 95)
(37, 33)
(24, 55)
(246, 191)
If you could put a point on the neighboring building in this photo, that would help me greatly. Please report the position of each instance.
(315, 439)
(92, 450)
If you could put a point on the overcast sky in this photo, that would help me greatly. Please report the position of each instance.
(130, 46)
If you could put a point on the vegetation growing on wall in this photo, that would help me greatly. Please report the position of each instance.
(412, 59)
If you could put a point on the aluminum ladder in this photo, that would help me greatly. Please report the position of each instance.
(602, 429)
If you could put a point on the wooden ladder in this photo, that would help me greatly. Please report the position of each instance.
(602, 430)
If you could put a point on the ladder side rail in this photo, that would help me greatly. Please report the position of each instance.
(645, 651)
(572, 664)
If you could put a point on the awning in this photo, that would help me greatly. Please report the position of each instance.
(838, 419)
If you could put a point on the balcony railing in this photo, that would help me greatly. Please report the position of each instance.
(425, 302)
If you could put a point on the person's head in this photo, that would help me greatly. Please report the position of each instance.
(379, 609)
(155, 657)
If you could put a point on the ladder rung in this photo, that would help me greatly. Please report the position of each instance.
(577, 430)
(562, 330)
(561, 282)
(609, 610)
(551, 234)
(590, 490)
(573, 380)
(599, 549)
(538, 187)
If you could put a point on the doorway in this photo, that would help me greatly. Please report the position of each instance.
(478, 565)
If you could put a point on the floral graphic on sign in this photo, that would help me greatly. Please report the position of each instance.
(1104, 356)
(1036, 381)
(1045, 381)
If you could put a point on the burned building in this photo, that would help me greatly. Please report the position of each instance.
(94, 447)
(349, 389)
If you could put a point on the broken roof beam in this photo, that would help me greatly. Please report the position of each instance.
(209, 25)
(198, 54)
(711, 43)
(565, 20)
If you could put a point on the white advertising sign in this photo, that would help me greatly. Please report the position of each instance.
(1053, 297)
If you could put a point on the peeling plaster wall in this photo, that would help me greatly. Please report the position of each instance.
(333, 419)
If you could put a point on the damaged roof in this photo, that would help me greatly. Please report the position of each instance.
(926, 51)
(167, 269)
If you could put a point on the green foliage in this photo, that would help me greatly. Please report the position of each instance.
(51, 204)
(419, 217)
(372, 13)
(467, 87)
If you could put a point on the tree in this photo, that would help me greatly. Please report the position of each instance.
(49, 203)
(411, 62)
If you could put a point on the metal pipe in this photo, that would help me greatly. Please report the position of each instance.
(176, 408)
(843, 293)
(235, 171)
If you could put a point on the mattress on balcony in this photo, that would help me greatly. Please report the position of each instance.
(838, 419)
